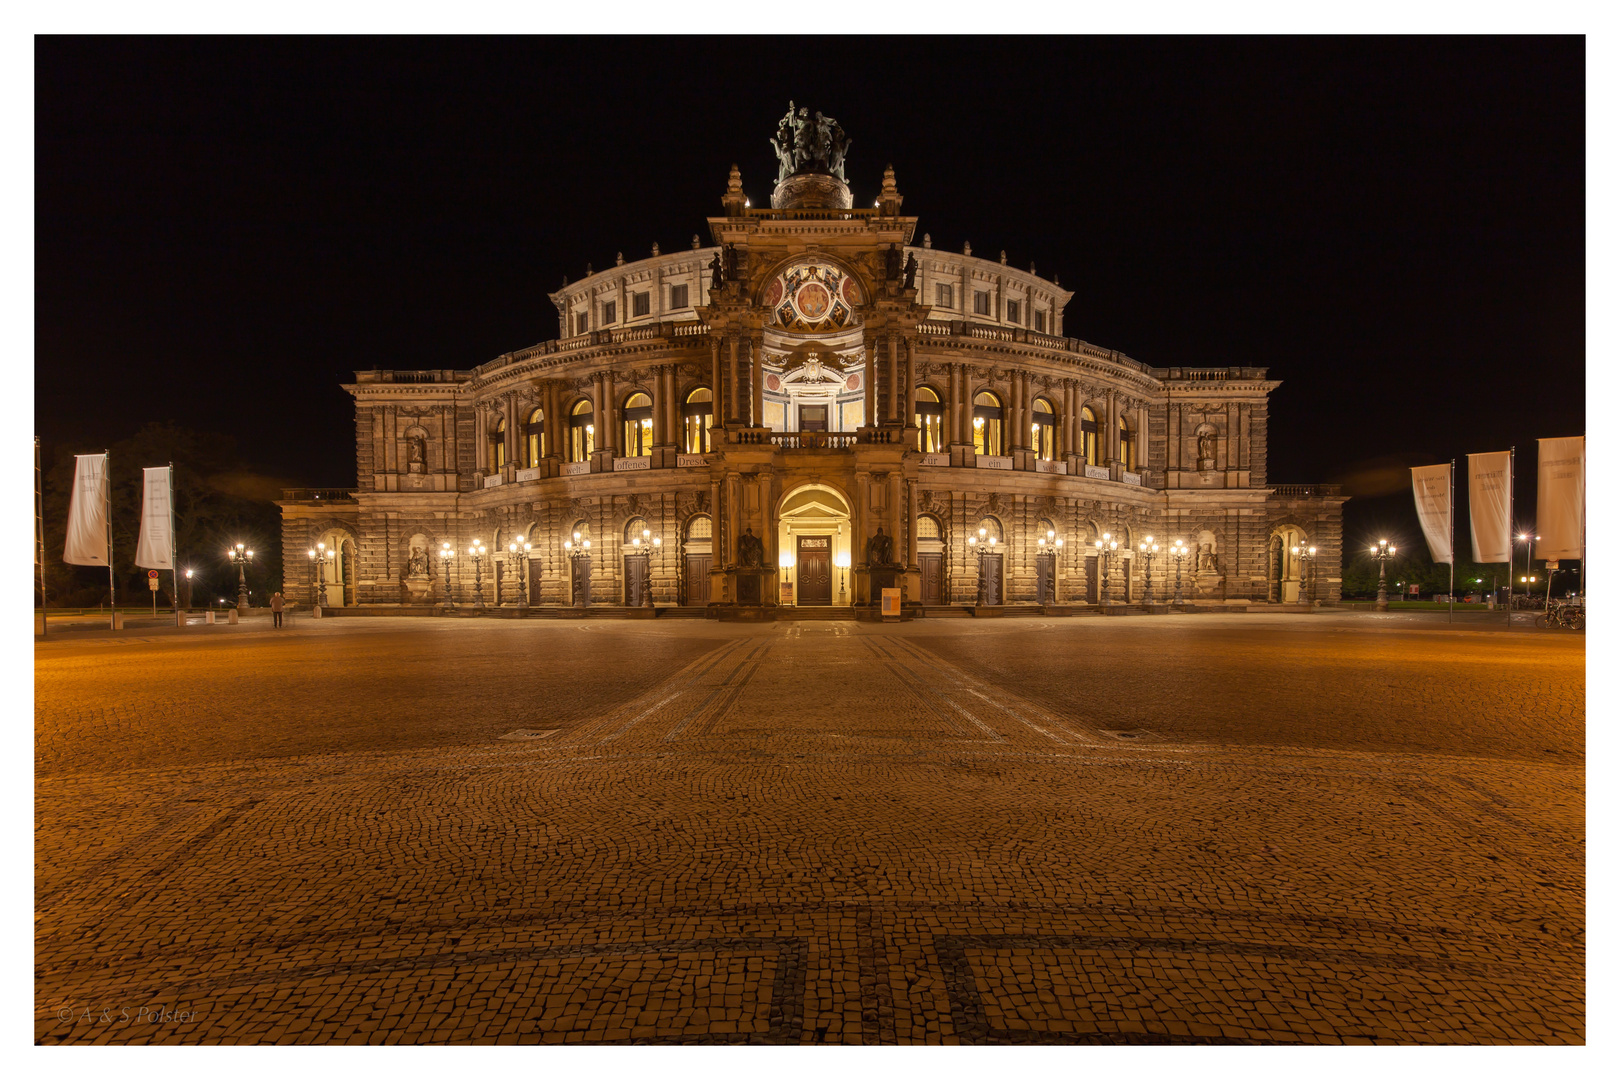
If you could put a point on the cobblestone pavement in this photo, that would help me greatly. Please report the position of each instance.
(1312, 829)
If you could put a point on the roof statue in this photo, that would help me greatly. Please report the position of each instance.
(809, 144)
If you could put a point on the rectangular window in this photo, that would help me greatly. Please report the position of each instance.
(981, 302)
(942, 296)
(1012, 311)
(610, 313)
(677, 296)
(641, 303)
(1040, 322)
(582, 323)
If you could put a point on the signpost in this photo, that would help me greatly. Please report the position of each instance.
(152, 583)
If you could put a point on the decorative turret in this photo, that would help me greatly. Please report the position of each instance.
(889, 198)
(735, 202)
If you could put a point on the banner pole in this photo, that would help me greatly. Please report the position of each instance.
(106, 492)
(1451, 506)
(39, 536)
(174, 554)
(1512, 464)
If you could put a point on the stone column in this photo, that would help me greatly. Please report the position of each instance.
(716, 383)
(910, 418)
(611, 414)
(733, 413)
(756, 378)
(870, 377)
(892, 400)
(1111, 429)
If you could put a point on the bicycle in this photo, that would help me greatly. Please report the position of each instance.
(1567, 616)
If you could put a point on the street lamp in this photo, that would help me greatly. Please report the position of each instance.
(1106, 547)
(446, 553)
(317, 574)
(841, 560)
(1306, 557)
(579, 561)
(189, 572)
(1178, 552)
(984, 545)
(1525, 539)
(241, 556)
(1148, 549)
(1382, 552)
(477, 551)
(513, 548)
(644, 545)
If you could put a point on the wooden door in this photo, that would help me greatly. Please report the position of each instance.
(815, 570)
(697, 579)
(1091, 579)
(992, 577)
(635, 579)
(582, 581)
(933, 577)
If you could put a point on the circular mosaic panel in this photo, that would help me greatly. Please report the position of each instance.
(813, 298)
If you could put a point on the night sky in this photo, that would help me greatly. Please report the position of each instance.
(227, 229)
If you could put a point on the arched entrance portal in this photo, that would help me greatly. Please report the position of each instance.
(813, 536)
(1286, 564)
(339, 568)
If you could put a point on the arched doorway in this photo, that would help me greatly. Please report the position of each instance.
(697, 558)
(990, 542)
(931, 559)
(339, 568)
(1285, 563)
(814, 538)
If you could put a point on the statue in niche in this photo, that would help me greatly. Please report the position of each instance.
(750, 550)
(417, 565)
(1206, 558)
(416, 454)
(879, 549)
(1206, 446)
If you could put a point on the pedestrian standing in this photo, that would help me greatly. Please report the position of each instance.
(276, 604)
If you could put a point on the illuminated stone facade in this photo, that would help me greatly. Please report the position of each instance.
(764, 404)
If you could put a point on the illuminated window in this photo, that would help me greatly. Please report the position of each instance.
(930, 421)
(987, 425)
(641, 303)
(581, 432)
(1043, 431)
(1127, 446)
(697, 417)
(497, 447)
(1088, 436)
(636, 421)
(536, 431)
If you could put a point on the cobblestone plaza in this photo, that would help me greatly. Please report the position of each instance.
(1206, 828)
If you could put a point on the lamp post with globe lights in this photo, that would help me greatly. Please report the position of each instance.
(578, 551)
(1148, 549)
(446, 553)
(643, 547)
(241, 555)
(985, 545)
(477, 552)
(841, 560)
(1382, 551)
(1178, 552)
(317, 575)
(1307, 561)
(1526, 539)
(1105, 547)
(519, 550)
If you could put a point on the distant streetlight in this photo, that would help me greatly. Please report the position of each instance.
(1106, 547)
(514, 548)
(1307, 559)
(1148, 549)
(477, 552)
(1382, 552)
(241, 555)
(446, 553)
(1178, 552)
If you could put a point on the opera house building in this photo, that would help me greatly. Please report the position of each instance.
(816, 408)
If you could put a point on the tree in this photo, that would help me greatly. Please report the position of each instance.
(218, 501)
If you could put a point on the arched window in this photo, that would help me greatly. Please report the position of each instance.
(701, 527)
(987, 415)
(930, 421)
(633, 530)
(581, 431)
(1127, 446)
(697, 417)
(1045, 530)
(990, 529)
(497, 447)
(536, 432)
(638, 426)
(1088, 436)
(1043, 431)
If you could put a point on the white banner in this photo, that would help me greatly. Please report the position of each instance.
(1490, 506)
(156, 546)
(87, 538)
(1561, 497)
(1431, 487)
